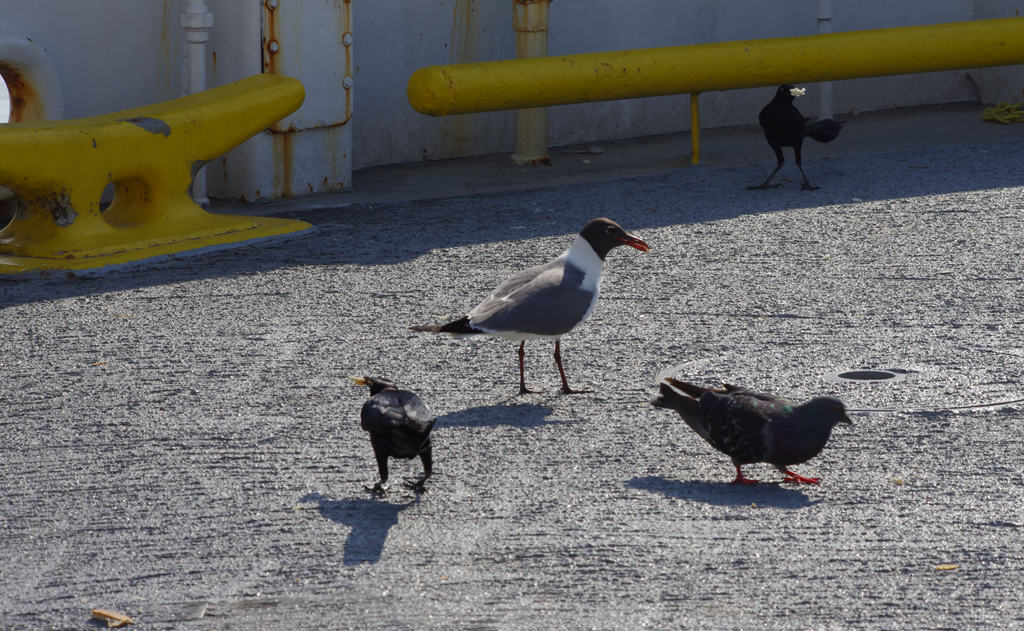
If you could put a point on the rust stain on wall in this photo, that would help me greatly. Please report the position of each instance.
(166, 59)
(269, 38)
(282, 164)
(463, 41)
(345, 28)
(458, 132)
(26, 106)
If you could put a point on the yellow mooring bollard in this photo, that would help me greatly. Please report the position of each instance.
(58, 170)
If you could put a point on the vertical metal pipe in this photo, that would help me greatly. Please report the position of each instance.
(197, 20)
(825, 88)
(531, 26)
(695, 127)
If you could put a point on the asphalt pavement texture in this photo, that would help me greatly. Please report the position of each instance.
(179, 441)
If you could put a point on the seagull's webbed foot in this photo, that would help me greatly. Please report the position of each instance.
(799, 479)
(568, 390)
(763, 186)
(806, 186)
(380, 488)
(524, 390)
(416, 484)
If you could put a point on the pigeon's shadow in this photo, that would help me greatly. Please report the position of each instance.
(517, 415)
(369, 519)
(724, 493)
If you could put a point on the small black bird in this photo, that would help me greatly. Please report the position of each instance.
(785, 126)
(752, 427)
(399, 425)
(546, 301)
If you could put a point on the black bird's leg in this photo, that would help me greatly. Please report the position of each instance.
(522, 372)
(561, 371)
(382, 468)
(806, 186)
(780, 159)
(416, 484)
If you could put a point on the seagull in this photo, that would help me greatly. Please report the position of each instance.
(752, 427)
(399, 425)
(546, 301)
(785, 126)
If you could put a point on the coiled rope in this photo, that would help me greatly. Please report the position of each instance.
(1004, 113)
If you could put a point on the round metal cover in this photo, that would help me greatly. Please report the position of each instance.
(869, 375)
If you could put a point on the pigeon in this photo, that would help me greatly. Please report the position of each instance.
(546, 301)
(785, 126)
(752, 427)
(399, 425)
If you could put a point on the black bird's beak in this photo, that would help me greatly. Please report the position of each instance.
(360, 381)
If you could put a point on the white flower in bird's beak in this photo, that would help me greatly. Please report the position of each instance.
(798, 91)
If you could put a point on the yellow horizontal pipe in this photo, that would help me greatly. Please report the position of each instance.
(521, 83)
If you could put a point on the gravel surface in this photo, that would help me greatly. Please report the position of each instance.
(180, 442)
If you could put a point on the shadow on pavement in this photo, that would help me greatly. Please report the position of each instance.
(725, 494)
(518, 415)
(392, 233)
(369, 519)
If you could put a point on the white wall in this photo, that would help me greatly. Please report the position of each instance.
(399, 36)
(109, 54)
(115, 54)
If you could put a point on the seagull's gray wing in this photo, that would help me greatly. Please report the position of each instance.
(516, 281)
(543, 300)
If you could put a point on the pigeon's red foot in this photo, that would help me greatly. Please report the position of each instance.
(740, 479)
(799, 479)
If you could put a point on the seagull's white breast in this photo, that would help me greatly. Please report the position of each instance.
(582, 256)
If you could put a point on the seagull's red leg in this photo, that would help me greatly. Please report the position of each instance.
(522, 372)
(561, 371)
(799, 479)
(740, 479)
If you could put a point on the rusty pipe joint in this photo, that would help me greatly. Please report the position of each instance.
(197, 20)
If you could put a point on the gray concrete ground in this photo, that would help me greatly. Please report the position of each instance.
(179, 442)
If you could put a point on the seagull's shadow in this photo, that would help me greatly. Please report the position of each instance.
(526, 415)
(725, 494)
(370, 521)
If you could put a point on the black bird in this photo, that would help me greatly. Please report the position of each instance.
(546, 301)
(752, 427)
(785, 126)
(399, 425)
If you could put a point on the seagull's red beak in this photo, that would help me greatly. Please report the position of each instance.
(635, 242)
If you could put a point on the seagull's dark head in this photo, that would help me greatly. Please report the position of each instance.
(376, 384)
(828, 410)
(604, 234)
